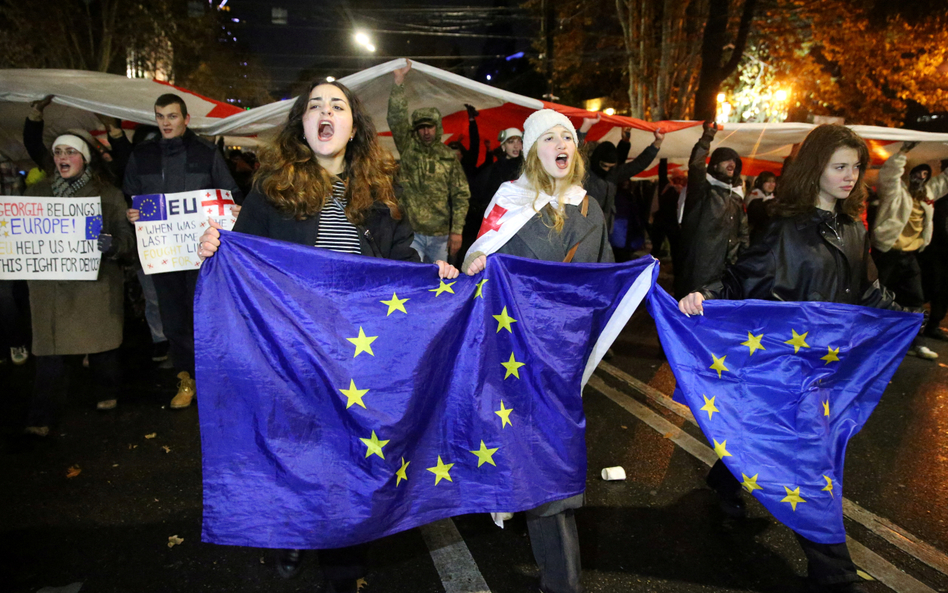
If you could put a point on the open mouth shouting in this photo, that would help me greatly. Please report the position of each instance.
(325, 130)
(562, 161)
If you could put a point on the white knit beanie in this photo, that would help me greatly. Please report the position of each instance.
(74, 142)
(540, 122)
(509, 133)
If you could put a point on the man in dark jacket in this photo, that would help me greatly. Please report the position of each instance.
(713, 227)
(607, 167)
(489, 179)
(179, 161)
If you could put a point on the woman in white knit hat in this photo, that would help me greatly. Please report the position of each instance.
(546, 215)
(74, 318)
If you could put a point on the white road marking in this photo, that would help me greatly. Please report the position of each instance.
(452, 559)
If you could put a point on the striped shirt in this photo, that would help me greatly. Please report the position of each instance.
(335, 232)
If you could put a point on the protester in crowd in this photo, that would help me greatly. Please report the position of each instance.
(506, 168)
(327, 182)
(815, 249)
(551, 185)
(608, 167)
(934, 263)
(74, 318)
(468, 157)
(713, 227)
(756, 203)
(665, 224)
(435, 193)
(903, 228)
(14, 321)
(115, 158)
(178, 161)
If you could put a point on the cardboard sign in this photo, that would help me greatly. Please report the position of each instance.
(50, 238)
(169, 226)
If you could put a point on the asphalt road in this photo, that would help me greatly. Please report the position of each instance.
(660, 530)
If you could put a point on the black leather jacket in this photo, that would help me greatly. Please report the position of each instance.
(380, 235)
(808, 258)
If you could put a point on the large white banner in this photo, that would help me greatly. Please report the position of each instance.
(169, 226)
(49, 238)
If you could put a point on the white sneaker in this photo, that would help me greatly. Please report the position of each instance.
(19, 355)
(923, 352)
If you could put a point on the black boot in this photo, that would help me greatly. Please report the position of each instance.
(289, 563)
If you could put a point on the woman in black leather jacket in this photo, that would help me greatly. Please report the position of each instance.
(815, 249)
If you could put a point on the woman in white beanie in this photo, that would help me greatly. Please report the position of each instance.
(74, 318)
(546, 215)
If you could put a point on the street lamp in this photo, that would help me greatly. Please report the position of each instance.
(361, 38)
(780, 96)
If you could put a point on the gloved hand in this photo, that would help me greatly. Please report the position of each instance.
(471, 112)
(104, 243)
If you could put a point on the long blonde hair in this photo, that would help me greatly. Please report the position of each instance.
(543, 182)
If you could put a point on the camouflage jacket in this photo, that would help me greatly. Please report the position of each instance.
(435, 191)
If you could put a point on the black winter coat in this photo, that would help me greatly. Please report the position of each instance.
(803, 259)
(380, 235)
(186, 163)
(713, 227)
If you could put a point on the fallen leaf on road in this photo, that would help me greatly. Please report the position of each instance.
(261, 560)
(114, 465)
(73, 471)
(166, 448)
(359, 584)
(174, 540)
(668, 435)
(151, 436)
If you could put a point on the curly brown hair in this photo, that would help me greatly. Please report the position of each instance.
(799, 187)
(294, 182)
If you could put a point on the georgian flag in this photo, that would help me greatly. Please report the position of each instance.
(514, 204)
(214, 200)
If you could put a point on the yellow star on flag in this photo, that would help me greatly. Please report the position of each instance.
(750, 484)
(829, 485)
(3, 223)
(504, 414)
(831, 355)
(480, 288)
(504, 321)
(512, 366)
(401, 474)
(443, 288)
(753, 342)
(826, 408)
(396, 304)
(374, 446)
(441, 471)
(719, 364)
(793, 497)
(484, 455)
(709, 406)
(719, 448)
(798, 341)
(354, 395)
(363, 343)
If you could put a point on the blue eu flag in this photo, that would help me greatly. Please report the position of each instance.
(344, 398)
(93, 227)
(779, 388)
(150, 207)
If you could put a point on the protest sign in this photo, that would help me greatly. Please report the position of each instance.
(169, 226)
(49, 238)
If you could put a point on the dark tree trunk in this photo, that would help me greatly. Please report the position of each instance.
(713, 72)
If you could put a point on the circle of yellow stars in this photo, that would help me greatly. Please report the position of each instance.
(753, 344)
(354, 396)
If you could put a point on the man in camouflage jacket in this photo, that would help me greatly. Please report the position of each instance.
(435, 193)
